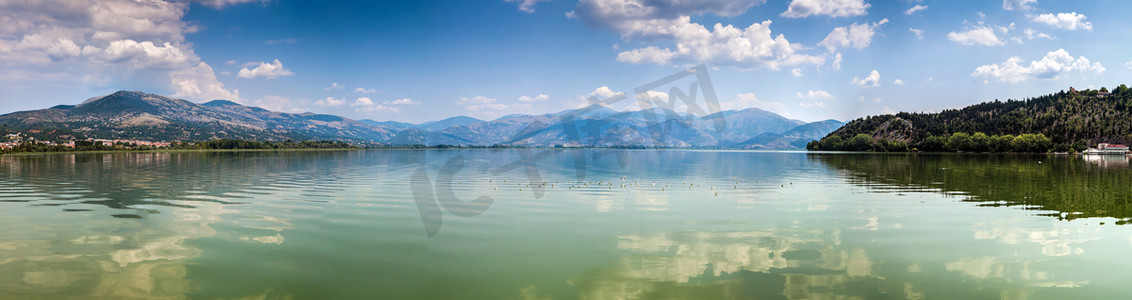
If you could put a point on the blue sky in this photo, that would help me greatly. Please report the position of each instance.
(417, 61)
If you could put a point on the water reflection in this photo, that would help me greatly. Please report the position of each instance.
(87, 227)
(1071, 186)
(794, 264)
(1107, 161)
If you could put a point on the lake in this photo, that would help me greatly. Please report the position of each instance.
(564, 224)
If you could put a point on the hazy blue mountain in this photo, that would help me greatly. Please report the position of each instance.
(449, 122)
(139, 115)
(389, 124)
(795, 138)
(414, 136)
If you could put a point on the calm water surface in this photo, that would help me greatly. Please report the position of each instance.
(570, 224)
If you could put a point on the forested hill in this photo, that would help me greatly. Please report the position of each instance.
(1064, 121)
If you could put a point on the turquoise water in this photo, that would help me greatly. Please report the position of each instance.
(563, 224)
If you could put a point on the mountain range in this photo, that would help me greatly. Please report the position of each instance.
(143, 116)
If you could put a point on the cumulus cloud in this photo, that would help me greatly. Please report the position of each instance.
(539, 98)
(365, 104)
(832, 8)
(364, 90)
(898, 82)
(815, 94)
(1052, 66)
(856, 36)
(102, 42)
(362, 101)
(199, 82)
(480, 103)
(1128, 64)
(333, 86)
(137, 55)
(402, 101)
(271, 70)
(654, 21)
(330, 102)
(796, 72)
(915, 9)
(599, 94)
(1067, 21)
(527, 5)
(873, 80)
(980, 35)
(748, 100)
(918, 32)
(1032, 34)
(1017, 4)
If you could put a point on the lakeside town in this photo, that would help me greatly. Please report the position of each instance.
(13, 140)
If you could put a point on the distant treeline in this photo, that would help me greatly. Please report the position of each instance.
(1059, 122)
(242, 144)
(33, 146)
(959, 141)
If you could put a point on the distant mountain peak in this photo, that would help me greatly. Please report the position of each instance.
(214, 103)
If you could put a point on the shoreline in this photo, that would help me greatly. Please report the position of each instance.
(528, 148)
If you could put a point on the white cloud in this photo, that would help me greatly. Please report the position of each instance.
(527, 5)
(333, 86)
(1034, 34)
(539, 98)
(659, 21)
(796, 72)
(599, 94)
(753, 46)
(143, 55)
(1128, 64)
(814, 94)
(980, 35)
(1017, 4)
(918, 32)
(856, 36)
(1052, 66)
(199, 82)
(480, 103)
(887, 111)
(915, 9)
(837, 62)
(402, 101)
(815, 104)
(330, 102)
(362, 101)
(1067, 21)
(104, 43)
(364, 90)
(365, 104)
(270, 70)
(230, 62)
(748, 100)
(832, 8)
(873, 80)
(898, 82)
